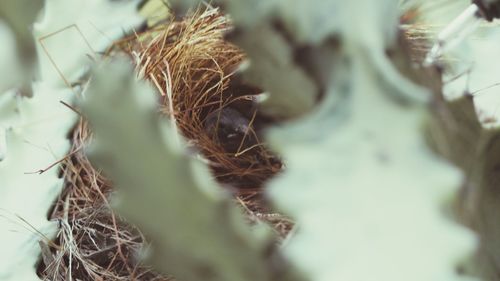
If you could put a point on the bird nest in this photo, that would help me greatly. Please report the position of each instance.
(195, 72)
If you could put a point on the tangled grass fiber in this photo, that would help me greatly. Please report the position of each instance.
(195, 72)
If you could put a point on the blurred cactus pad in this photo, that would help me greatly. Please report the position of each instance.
(238, 140)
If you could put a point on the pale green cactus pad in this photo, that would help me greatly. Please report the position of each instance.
(33, 131)
(367, 193)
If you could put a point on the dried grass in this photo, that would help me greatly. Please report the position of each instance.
(193, 68)
(93, 242)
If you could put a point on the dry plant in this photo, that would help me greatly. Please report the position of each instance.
(194, 70)
(93, 242)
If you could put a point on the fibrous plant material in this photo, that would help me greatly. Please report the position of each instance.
(94, 243)
(195, 70)
(156, 182)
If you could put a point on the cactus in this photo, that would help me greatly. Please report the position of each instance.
(33, 130)
(366, 192)
(465, 130)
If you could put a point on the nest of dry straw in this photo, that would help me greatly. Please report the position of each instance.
(193, 68)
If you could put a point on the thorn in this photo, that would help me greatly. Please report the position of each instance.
(454, 33)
